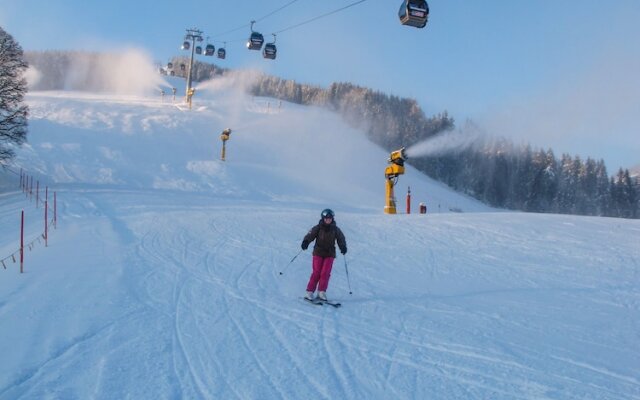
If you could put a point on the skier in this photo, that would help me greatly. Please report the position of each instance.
(326, 234)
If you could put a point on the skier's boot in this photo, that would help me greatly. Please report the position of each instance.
(322, 296)
(309, 295)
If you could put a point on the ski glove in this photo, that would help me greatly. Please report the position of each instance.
(343, 251)
(305, 245)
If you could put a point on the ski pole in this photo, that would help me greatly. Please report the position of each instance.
(290, 262)
(347, 270)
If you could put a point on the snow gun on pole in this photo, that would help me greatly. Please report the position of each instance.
(391, 173)
(224, 137)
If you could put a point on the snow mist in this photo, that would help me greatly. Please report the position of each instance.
(446, 142)
(129, 72)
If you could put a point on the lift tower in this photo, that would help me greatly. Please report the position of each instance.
(193, 35)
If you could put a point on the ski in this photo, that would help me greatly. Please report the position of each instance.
(314, 301)
(318, 302)
(330, 303)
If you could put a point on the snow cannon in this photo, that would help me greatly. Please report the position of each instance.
(224, 137)
(391, 173)
(190, 93)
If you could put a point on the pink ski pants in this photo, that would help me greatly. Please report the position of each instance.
(320, 274)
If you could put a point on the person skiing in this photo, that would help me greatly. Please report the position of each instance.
(325, 234)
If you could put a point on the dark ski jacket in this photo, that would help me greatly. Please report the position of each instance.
(326, 237)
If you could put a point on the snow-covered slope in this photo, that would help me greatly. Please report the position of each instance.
(277, 153)
(162, 279)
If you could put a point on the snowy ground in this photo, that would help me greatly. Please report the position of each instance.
(162, 279)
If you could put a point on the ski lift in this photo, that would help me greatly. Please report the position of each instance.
(414, 13)
(198, 49)
(186, 45)
(222, 53)
(183, 67)
(209, 49)
(270, 49)
(255, 40)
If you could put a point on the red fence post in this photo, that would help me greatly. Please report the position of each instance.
(37, 193)
(22, 243)
(46, 222)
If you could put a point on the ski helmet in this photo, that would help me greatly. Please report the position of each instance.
(327, 213)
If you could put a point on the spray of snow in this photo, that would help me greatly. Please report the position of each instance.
(33, 76)
(129, 72)
(234, 86)
(239, 80)
(446, 142)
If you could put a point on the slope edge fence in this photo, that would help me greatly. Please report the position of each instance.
(40, 196)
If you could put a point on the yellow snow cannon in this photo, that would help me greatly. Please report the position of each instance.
(224, 137)
(190, 93)
(391, 173)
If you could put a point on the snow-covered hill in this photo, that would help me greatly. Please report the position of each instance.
(162, 279)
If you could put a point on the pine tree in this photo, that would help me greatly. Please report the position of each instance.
(13, 87)
(624, 196)
(589, 188)
(566, 185)
(603, 190)
(630, 196)
(549, 181)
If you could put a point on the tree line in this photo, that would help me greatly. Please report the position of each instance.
(518, 177)
(493, 170)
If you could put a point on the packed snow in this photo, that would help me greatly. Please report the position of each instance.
(162, 277)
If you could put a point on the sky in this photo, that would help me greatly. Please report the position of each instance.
(553, 74)
(162, 277)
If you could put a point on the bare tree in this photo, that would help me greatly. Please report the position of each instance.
(13, 87)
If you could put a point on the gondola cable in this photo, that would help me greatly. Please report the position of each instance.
(320, 16)
(256, 20)
(304, 22)
(279, 9)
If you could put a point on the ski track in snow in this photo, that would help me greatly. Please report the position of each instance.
(211, 256)
(173, 290)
